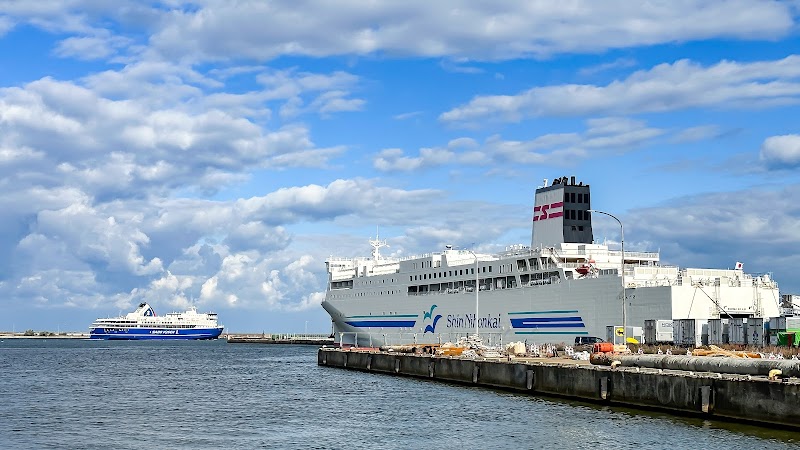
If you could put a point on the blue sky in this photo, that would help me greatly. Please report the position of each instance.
(217, 152)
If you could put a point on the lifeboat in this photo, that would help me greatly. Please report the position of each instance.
(587, 267)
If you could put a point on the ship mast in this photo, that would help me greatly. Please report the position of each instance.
(376, 246)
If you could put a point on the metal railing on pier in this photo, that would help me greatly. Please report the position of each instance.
(364, 339)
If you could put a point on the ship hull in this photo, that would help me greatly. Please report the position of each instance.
(554, 313)
(541, 314)
(154, 333)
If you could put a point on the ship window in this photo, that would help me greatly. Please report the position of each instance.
(572, 197)
(580, 214)
(490, 268)
(580, 198)
(580, 228)
(586, 197)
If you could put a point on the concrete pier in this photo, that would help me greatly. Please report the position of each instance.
(748, 398)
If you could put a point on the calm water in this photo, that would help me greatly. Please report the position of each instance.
(80, 394)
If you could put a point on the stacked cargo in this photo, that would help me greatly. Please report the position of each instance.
(784, 331)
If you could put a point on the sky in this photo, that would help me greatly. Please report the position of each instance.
(216, 153)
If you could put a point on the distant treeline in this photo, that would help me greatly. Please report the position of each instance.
(42, 333)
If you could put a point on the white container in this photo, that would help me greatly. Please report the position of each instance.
(792, 323)
(657, 331)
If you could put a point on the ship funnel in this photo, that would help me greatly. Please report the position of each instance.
(561, 214)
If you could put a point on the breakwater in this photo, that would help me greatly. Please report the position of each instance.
(296, 339)
(756, 399)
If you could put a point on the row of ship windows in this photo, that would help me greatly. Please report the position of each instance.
(576, 214)
(534, 264)
(364, 294)
(450, 273)
(484, 284)
(503, 268)
(570, 197)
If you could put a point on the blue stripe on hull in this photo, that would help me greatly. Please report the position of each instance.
(382, 323)
(154, 333)
(547, 322)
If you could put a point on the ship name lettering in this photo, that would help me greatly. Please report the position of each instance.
(468, 321)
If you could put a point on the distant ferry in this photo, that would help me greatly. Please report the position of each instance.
(144, 324)
(563, 286)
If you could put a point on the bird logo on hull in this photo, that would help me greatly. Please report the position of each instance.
(431, 327)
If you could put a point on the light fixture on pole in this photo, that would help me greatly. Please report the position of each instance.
(622, 267)
(477, 288)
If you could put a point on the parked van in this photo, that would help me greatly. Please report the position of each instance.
(587, 340)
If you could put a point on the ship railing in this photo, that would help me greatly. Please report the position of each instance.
(375, 340)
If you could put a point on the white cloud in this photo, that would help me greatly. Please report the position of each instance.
(779, 152)
(560, 149)
(619, 63)
(176, 251)
(408, 115)
(698, 133)
(6, 25)
(90, 47)
(496, 30)
(138, 146)
(666, 87)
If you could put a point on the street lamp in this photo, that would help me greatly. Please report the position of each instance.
(477, 289)
(622, 266)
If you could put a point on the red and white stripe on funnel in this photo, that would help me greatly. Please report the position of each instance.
(550, 211)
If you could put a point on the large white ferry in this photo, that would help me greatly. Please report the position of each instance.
(145, 324)
(563, 286)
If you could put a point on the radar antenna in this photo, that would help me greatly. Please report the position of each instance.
(376, 244)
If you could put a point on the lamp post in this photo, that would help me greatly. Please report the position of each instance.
(477, 289)
(622, 267)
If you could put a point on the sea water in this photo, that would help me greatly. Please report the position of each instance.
(81, 394)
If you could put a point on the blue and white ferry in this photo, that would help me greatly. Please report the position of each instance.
(145, 324)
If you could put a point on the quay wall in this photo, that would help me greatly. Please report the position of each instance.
(758, 400)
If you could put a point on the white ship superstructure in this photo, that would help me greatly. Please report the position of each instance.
(561, 286)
